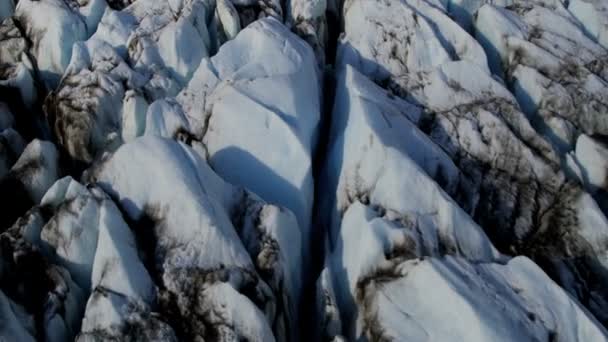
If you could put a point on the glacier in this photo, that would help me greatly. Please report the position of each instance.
(303, 170)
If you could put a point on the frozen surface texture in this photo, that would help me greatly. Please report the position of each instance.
(303, 170)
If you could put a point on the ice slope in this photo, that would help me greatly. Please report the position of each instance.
(168, 43)
(52, 40)
(381, 282)
(394, 37)
(491, 161)
(98, 106)
(263, 88)
(80, 229)
(96, 94)
(478, 124)
(372, 143)
(556, 72)
(308, 20)
(593, 15)
(211, 246)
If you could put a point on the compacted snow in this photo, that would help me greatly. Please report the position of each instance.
(303, 170)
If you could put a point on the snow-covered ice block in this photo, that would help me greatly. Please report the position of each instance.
(87, 234)
(516, 301)
(378, 279)
(557, 73)
(117, 267)
(115, 27)
(52, 40)
(593, 15)
(392, 38)
(590, 163)
(86, 110)
(224, 304)
(462, 11)
(110, 315)
(166, 118)
(166, 40)
(376, 156)
(76, 213)
(206, 231)
(228, 21)
(263, 88)
(307, 19)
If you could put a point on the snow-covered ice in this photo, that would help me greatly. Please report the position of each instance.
(262, 87)
(208, 231)
(303, 170)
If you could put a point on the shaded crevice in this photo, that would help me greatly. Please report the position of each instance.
(308, 319)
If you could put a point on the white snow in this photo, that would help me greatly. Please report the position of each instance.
(486, 302)
(165, 118)
(369, 162)
(199, 121)
(117, 266)
(384, 289)
(88, 236)
(226, 304)
(593, 15)
(191, 209)
(391, 38)
(556, 71)
(52, 39)
(134, 109)
(228, 18)
(262, 87)
(70, 236)
(310, 9)
(194, 220)
(591, 161)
